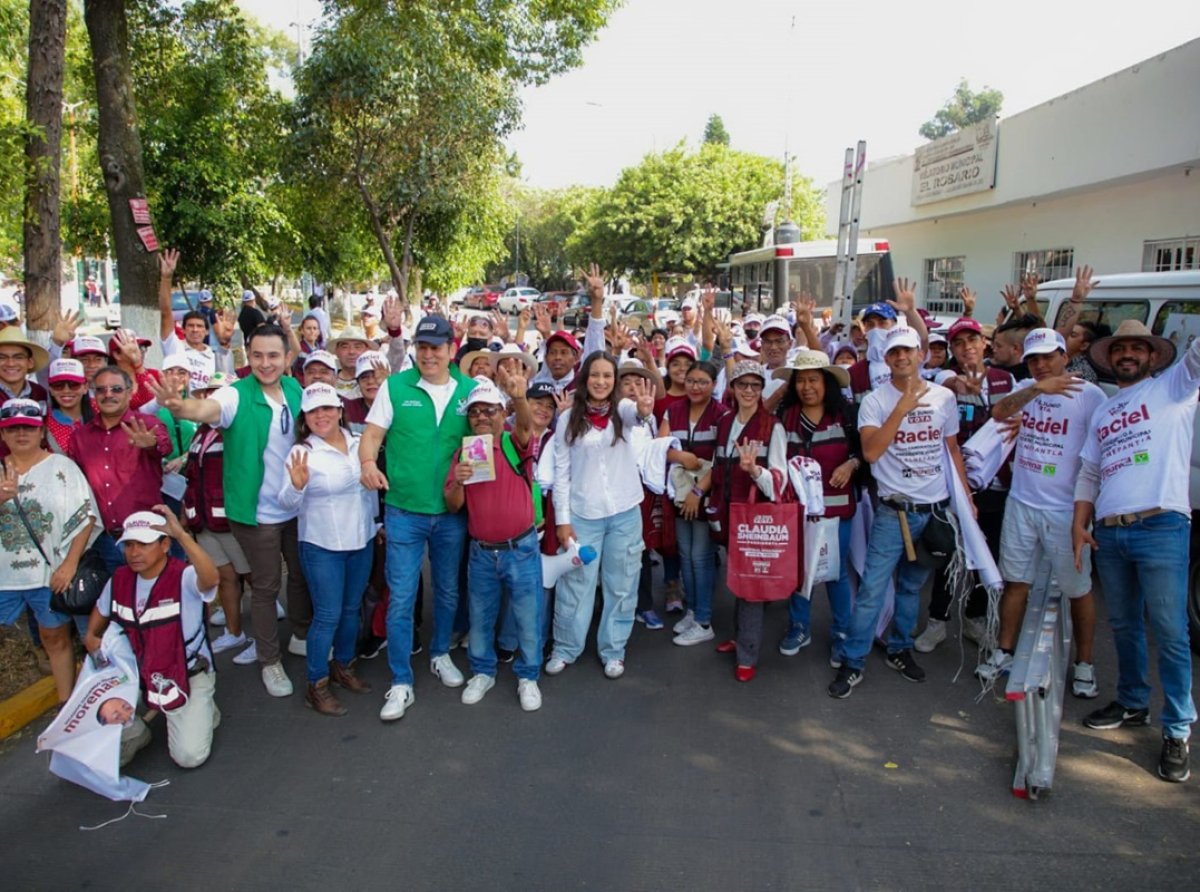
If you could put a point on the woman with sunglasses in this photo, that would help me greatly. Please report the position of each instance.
(751, 451)
(46, 520)
(337, 527)
(70, 406)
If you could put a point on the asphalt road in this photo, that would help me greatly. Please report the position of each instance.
(672, 777)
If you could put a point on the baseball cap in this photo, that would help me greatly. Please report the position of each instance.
(82, 345)
(753, 319)
(7, 314)
(882, 310)
(775, 323)
(67, 370)
(965, 324)
(745, 367)
(206, 297)
(566, 337)
(433, 330)
(936, 337)
(215, 381)
(745, 350)
(176, 361)
(1044, 340)
(140, 527)
(21, 413)
(689, 303)
(366, 362)
(676, 346)
(486, 392)
(247, 296)
(322, 356)
(901, 337)
(540, 391)
(319, 395)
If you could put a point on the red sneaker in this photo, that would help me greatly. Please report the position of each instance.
(727, 647)
(744, 673)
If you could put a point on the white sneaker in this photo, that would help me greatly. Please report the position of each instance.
(225, 642)
(280, 613)
(998, 664)
(217, 617)
(614, 668)
(249, 655)
(1084, 684)
(689, 620)
(276, 681)
(398, 698)
(476, 688)
(694, 634)
(555, 665)
(443, 667)
(975, 629)
(529, 694)
(298, 646)
(934, 634)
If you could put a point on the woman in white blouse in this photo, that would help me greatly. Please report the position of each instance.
(597, 501)
(336, 526)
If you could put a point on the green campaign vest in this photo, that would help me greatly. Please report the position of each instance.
(246, 444)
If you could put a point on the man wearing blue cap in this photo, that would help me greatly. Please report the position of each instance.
(877, 320)
(420, 418)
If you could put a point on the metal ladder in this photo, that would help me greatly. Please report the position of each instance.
(846, 271)
(1037, 682)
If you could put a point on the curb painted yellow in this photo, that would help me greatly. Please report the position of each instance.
(20, 709)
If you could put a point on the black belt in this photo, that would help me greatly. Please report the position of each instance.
(915, 507)
(507, 544)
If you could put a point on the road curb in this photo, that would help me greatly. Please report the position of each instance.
(22, 708)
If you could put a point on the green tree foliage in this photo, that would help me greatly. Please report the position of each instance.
(212, 131)
(715, 132)
(684, 212)
(548, 218)
(963, 109)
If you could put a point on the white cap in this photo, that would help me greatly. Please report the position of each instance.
(753, 319)
(247, 296)
(689, 303)
(318, 396)
(322, 356)
(85, 344)
(485, 392)
(176, 361)
(67, 370)
(675, 346)
(775, 323)
(1044, 340)
(901, 337)
(7, 313)
(366, 362)
(140, 527)
(745, 351)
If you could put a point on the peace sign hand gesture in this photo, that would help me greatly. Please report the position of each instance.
(643, 395)
(8, 483)
(297, 468)
(139, 435)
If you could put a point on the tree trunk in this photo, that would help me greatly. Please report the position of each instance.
(43, 108)
(381, 236)
(120, 150)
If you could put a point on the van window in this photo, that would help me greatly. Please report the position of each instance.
(1109, 312)
(1179, 322)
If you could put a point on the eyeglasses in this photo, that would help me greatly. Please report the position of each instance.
(285, 420)
(482, 412)
(66, 385)
(11, 411)
(115, 390)
(775, 342)
(697, 382)
(748, 385)
(14, 357)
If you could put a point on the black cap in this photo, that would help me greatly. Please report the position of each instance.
(540, 390)
(433, 330)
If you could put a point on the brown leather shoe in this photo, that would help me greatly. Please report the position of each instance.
(343, 676)
(322, 699)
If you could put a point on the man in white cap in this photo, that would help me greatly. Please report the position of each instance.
(159, 602)
(909, 430)
(321, 365)
(201, 360)
(250, 317)
(504, 563)
(1053, 408)
(1136, 461)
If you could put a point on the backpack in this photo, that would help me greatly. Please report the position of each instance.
(535, 488)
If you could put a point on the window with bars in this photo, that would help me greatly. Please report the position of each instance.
(943, 281)
(1050, 264)
(1173, 253)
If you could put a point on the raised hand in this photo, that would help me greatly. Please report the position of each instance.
(968, 298)
(523, 319)
(297, 468)
(139, 435)
(500, 325)
(593, 280)
(165, 395)
(541, 320)
(65, 327)
(803, 307)
(168, 259)
(512, 382)
(564, 401)
(393, 313)
(224, 325)
(967, 383)
(748, 457)
(1084, 283)
(1012, 298)
(170, 525)
(1029, 287)
(906, 295)
(910, 397)
(128, 348)
(8, 482)
(381, 370)
(708, 298)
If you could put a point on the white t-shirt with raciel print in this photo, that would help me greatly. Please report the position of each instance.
(913, 467)
(1046, 455)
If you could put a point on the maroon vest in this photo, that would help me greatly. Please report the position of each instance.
(702, 442)
(729, 482)
(860, 380)
(156, 634)
(829, 446)
(204, 499)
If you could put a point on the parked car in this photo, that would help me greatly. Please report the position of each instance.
(556, 302)
(482, 297)
(180, 305)
(516, 299)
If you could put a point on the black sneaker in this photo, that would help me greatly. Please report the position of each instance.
(504, 655)
(1116, 716)
(902, 661)
(841, 686)
(371, 647)
(1173, 763)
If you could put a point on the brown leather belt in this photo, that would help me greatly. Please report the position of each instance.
(1128, 520)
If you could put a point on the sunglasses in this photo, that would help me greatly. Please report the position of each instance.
(285, 420)
(66, 385)
(115, 390)
(482, 412)
(11, 411)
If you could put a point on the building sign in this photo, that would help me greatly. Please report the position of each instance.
(958, 164)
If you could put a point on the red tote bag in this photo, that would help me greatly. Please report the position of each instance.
(765, 545)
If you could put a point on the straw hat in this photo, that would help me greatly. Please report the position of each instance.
(806, 360)
(512, 351)
(1162, 355)
(11, 336)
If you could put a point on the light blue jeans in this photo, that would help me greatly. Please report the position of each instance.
(336, 580)
(841, 600)
(885, 554)
(1143, 569)
(407, 536)
(515, 573)
(618, 543)
(698, 561)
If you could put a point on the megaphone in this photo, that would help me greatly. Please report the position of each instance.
(573, 558)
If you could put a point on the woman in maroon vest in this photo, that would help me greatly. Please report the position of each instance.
(751, 451)
(694, 423)
(821, 424)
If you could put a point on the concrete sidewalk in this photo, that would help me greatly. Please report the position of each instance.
(672, 777)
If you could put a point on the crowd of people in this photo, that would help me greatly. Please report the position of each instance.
(324, 473)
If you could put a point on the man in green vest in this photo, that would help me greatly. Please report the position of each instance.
(258, 417)
(420, 417)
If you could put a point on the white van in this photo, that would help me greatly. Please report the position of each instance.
(1169, 305)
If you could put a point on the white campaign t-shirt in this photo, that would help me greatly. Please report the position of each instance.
(382, 414)
(1140, 439)
(201, 363)
(279, 444)
(913, 467)
(1046, 455)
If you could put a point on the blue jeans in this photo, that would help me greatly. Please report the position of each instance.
(112, 553)
(841, 601)
(407, 536)
(618, 543)
(515, 574)
(506, 636)
(698, 561)
(1144, 569)
(884, 553)
(336, 581)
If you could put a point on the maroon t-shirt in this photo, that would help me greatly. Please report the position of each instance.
(499, 509)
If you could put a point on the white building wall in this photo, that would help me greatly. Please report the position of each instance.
(1101, 169)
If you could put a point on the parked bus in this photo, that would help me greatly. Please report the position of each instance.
(764, 279)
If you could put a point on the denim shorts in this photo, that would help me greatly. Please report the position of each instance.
(13, 604)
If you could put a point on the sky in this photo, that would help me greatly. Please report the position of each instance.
(814, 76)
